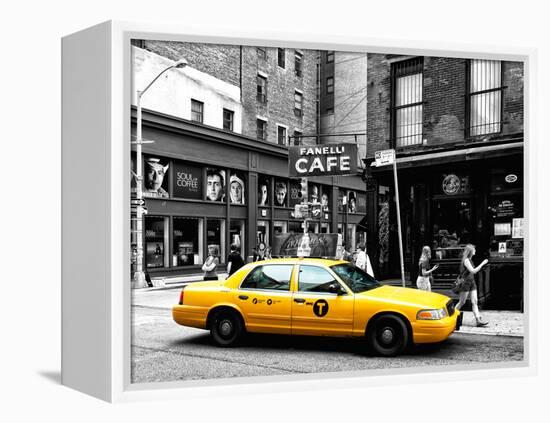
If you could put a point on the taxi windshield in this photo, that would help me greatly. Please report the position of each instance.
(356, 279)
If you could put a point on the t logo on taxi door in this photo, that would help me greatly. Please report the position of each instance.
(320, 308)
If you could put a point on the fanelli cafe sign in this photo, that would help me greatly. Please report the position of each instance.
(330, 159)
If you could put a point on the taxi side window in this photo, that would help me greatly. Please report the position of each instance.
(272, 277)
(314, 279)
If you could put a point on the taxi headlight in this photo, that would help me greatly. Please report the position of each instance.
(435, 314)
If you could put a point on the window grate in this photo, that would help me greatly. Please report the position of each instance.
(407, 107)
(485, 97)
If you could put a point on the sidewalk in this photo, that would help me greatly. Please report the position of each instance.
(502, 323)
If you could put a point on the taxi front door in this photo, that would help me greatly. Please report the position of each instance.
(315, 310)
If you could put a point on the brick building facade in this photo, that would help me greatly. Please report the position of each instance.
(457, 128)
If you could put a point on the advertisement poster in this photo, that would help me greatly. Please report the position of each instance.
(154, 254)
(155, 178)
(187, 181)
(294, 197)
(215, 184)
(517, 228)
(321, 245)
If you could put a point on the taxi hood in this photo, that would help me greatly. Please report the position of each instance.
(410, 296)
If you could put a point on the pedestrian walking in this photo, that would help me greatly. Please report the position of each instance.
(362, 260)
(234, 260)
(425, 278)
(211, 263)
(468, 285)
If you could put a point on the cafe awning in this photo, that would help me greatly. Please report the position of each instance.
(457, 155)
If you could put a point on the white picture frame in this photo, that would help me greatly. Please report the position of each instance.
(96, 153)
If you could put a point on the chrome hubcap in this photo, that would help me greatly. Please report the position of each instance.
(386, 336)
(226, 327)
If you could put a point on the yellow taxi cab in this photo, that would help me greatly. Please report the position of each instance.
(320, 297)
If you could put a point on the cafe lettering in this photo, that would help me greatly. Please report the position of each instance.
(334, 159)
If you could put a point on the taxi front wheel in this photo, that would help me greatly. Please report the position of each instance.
(387, 335)
(226, 328)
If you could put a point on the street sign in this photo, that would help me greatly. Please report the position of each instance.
(384, 157)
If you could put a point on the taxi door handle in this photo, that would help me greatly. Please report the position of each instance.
(243, 297)
(299, 300)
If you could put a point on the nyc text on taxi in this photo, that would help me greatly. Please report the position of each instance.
(315, 297)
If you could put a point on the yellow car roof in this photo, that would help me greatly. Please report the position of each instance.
(297, 260)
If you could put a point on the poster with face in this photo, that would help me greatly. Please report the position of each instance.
(215, 184)
(281, 192)
(263, 191)
(314, 193)
(325, 200)
(236, 188)
(352, 202)
(156, 181)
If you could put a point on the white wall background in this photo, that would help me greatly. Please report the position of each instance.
(30, 247)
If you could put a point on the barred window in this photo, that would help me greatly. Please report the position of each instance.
(228, 119)
(407, 84)
(298, 104)
(261, 94)
(485, 92)
(197, 108)
(297, 137)
(261, 129)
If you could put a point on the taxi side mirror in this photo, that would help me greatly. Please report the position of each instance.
(335, 288)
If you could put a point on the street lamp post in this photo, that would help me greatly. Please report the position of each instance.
(139, 275)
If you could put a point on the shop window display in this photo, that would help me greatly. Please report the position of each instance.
(155, 242)
(215, 236)
(452, 227)
(236, 235)
(187, 245)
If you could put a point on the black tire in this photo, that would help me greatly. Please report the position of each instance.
(226, 328)
(387, 336)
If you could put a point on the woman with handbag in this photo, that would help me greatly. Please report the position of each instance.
(423, 281)
(467, 285)
(211, 263)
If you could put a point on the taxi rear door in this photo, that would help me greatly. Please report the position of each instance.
(264, 297)
(315, 309)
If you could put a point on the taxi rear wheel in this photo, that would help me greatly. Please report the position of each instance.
(226, 328)
(387, 336)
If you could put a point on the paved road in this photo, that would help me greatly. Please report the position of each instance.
(164, 351)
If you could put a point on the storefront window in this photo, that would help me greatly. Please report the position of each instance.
(262, 233)
(313, 227)
(352, 202)
(156, 240)
(452, 227)
(236, 234)
(279, 228)
(187, 242)
(325, 228)
(295, 227)
(215, 237)
(506, 225)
